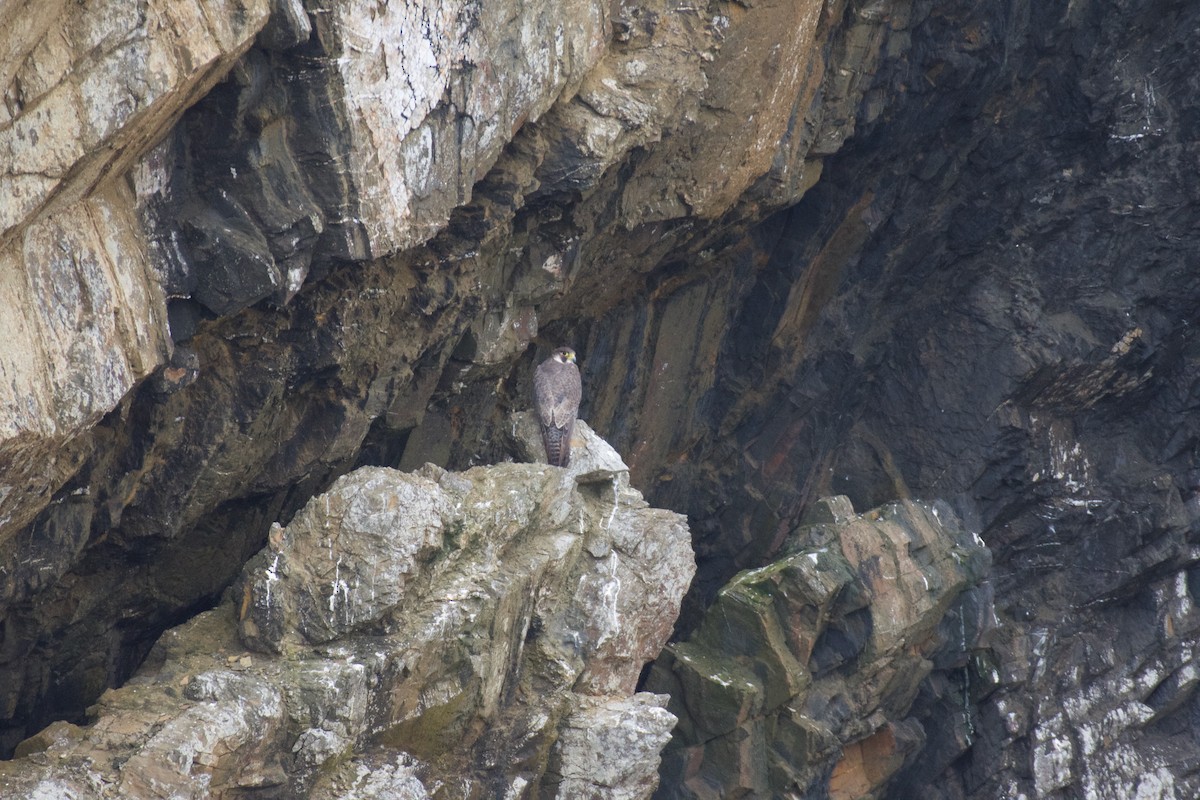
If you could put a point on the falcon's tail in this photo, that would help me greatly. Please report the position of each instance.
(558, 445)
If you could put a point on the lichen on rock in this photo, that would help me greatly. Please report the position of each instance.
(413, 634)
(882, 249)
(344, 561)
(800, 678)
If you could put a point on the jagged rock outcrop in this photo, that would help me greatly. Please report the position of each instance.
(982, 300)
(273, 233)
(891, 249)
(800, 680)
(407, 635)
(86, 92)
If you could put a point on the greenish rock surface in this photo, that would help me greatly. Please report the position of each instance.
(801, 667)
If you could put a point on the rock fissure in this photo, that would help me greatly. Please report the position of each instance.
(897, 250)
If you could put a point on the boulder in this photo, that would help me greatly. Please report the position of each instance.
(801, 677)
(406, 634)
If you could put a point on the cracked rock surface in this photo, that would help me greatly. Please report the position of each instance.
(893, 250)
(802, 676)
(405, 635)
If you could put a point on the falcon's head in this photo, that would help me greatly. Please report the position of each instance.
(564, 355)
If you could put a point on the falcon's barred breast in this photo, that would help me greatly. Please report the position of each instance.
(556, 393)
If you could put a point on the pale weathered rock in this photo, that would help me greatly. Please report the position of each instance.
(422, 630)
(394, 778)
(65, 365)
(205, 726)
(100, 85)
(1090, 736)
(593, 460)
(229, 740)
(626, 102)
(635, 569)
(345, 560)
(90, 88)
(431, 93)
(610, 748)
(802, 674)
(751, 101)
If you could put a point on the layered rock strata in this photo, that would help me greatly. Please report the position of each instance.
(976, 287)
(86, 93)
(264, 261)
(802, 677)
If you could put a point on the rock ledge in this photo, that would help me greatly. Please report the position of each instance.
(405, 635)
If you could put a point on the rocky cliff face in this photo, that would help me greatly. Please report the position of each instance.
(425, 634)
(889, 250)
(801, 679)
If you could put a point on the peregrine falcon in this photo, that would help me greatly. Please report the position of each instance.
(556, 393)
